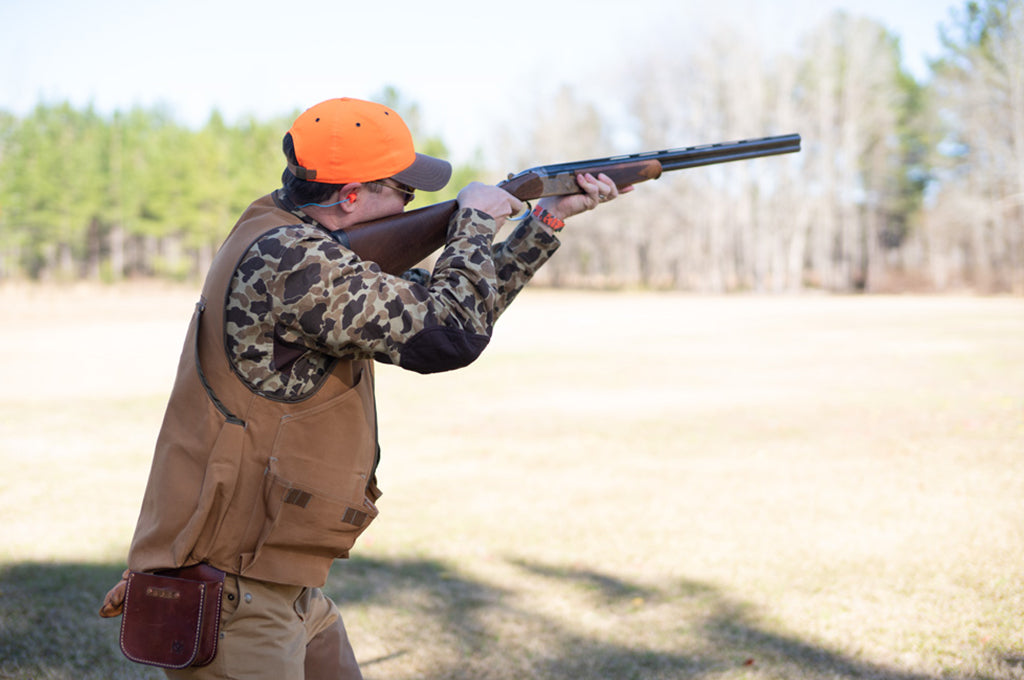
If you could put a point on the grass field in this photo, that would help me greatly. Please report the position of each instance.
(624, 486)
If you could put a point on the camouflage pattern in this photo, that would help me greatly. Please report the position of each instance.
(299, 300)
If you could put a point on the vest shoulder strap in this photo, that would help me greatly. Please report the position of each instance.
(211, 357)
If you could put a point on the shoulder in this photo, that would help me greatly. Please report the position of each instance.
(291, 243)
(290, 249)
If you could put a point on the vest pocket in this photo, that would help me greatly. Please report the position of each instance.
(315, 489)
(218, 488)
(302, 522)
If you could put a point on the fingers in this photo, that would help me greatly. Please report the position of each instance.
(595, 191)
(496, 202)
(113, 602)
(516, 205)
(600, 189)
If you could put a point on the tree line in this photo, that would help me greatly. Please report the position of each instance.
(901, 184)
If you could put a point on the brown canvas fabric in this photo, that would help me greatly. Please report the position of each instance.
(268, 489)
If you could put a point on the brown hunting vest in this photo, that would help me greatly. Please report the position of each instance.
(268, 489)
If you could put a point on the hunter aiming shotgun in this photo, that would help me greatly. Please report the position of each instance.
(400, 242)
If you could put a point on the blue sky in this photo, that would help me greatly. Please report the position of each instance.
(465, 62)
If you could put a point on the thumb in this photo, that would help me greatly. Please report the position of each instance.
(113, 602)
(517, 206)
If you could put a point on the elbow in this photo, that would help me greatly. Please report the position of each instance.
(438, 349)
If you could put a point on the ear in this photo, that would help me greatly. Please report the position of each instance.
(349, 194)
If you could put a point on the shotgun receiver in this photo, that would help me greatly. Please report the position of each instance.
(399, 242)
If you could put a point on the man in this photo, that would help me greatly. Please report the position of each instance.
(265, 464)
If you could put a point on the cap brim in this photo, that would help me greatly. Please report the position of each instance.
(426, 173)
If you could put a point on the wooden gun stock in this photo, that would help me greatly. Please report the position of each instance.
(399, 242)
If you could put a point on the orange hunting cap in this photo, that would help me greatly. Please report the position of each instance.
(350, 140)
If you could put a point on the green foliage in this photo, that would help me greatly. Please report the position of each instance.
(71, 179)
(910, 171)
(136, 193)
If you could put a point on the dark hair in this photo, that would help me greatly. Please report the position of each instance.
(301, 191)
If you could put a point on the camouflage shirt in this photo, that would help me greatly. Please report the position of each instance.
(299, 301)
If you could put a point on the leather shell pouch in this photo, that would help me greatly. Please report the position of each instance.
(172, 618)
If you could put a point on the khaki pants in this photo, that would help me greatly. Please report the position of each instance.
(276, 632)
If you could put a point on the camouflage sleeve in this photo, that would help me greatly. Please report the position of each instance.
(298, 299)
(518, 257)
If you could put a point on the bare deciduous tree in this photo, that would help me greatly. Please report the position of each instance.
(975, 229)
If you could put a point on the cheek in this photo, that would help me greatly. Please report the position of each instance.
(392, 205)
(383, 207)
(392, 208)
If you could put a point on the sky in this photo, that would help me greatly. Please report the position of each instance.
(464, 63)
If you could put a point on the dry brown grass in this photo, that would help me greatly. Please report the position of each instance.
(624, 486)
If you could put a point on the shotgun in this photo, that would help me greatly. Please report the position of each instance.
(401, 241)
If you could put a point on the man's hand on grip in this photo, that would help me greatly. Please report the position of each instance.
(496, 202)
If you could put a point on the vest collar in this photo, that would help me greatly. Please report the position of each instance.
(282, 201)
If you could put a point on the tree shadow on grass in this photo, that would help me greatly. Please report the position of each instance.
(50, 628)
(443, 625)
(467, 616)
(609, 588)
(459, 629)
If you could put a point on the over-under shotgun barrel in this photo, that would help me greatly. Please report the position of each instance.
(694, 156)
(689, 156)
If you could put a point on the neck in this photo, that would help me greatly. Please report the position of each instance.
(328, 217)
